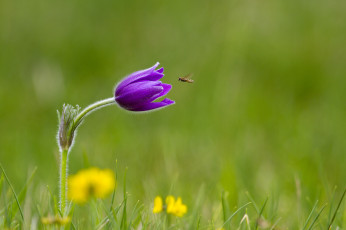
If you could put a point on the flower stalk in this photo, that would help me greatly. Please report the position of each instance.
(79, 118)
(71, 118)
(63, 180)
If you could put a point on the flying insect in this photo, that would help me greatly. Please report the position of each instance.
(186, 78)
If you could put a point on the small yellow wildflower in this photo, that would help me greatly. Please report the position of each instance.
(158, 205)
(60, 221)
(180, 208)
(174, 207)
(89, 183)
(170, 202)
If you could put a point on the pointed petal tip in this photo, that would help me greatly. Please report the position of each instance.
(138, 75)
(156, 65)
(168, 101)
(160, 70)
(154, 105)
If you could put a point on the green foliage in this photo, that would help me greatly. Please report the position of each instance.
(98, 215)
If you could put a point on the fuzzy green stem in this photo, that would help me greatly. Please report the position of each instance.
(92, 107)
(63, 180)
(66, 135)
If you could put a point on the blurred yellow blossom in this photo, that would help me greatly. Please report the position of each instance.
(180, 208)
(170, 202)
(57, 220)
(92, 182)
(158, 205)
(174, 207)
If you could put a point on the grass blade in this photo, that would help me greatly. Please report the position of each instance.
(7, 218)
(318, 215)
(123, 223)
(262, 209)
(312, 211)
(110, 213)
(135, 209)
(336, 210)
(230, 218)
(103, 224)
(22, 193)
(198, 222)
(331, 204)
(247, 221)
(1, 183)
(260, 213)
(252, 200)
(116, 181)
(14, 193)
(195, 214)
(225, 207)
(274, 225)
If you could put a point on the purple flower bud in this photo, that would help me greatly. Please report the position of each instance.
(138, 90)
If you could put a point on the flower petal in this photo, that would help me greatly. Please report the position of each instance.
(135, 77)
(158, 205)
(154, 76)
(138, 94)
(160, 70)
(154, 105)
(166, 89)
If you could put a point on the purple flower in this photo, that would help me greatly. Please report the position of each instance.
(138, 90)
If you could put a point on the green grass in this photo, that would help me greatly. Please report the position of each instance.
(264, 118)
(123, 212)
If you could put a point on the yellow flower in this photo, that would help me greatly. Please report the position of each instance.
(158, 205)
(92, 182)
(60, 221)
(174, 207)
(180, 208)
(170, 202)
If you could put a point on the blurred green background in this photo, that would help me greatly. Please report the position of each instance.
(266, 113)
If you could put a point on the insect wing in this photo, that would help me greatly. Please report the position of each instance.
(186, 78)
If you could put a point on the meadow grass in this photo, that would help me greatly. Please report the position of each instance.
(122, 211)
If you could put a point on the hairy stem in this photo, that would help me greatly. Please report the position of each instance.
(91, 108)
(63, 180)
(66, 135)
